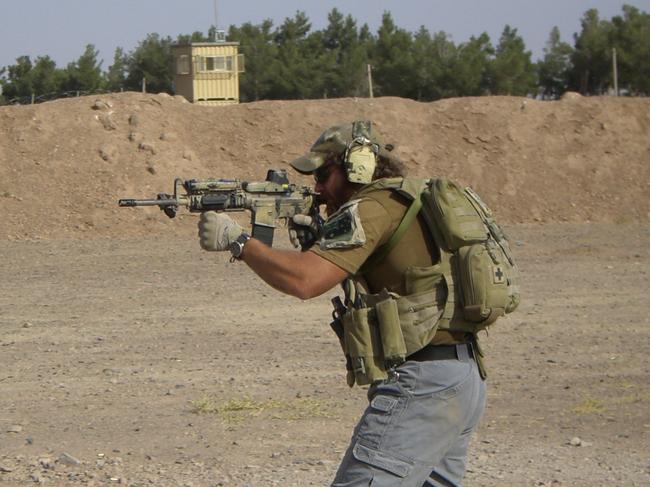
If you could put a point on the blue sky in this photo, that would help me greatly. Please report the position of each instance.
(62, 28)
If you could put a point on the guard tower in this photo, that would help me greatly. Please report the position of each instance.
(207, 73)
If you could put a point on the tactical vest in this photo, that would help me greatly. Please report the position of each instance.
(475, 281)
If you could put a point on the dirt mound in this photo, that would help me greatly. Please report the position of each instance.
(64, 164)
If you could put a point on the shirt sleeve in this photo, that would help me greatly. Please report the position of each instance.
(377, 225)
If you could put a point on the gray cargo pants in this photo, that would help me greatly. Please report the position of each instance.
(416, 430)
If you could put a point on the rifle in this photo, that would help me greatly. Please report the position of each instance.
(268, 201)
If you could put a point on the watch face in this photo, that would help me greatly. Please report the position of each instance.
(237, 247)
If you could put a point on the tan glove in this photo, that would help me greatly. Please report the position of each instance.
(304, 231)
(217, 231)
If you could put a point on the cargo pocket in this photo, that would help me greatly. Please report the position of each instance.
(382, 460)
(376, 419)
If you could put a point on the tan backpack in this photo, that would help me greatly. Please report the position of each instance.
(475, 253)
(486, 274)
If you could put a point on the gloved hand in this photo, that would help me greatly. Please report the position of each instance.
(217, 231)
(304, 230)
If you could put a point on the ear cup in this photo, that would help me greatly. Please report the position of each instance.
(360, 163)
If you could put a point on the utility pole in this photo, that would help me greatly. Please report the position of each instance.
(370, 80)
(219, 34)
(615, 71)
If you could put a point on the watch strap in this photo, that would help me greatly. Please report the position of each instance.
(237, 247)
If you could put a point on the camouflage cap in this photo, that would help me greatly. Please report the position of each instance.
(334, 140)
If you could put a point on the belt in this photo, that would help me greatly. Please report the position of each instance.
(443, 352)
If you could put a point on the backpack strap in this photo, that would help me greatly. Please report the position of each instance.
(450, 303)
(397, 235)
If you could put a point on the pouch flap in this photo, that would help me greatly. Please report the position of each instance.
(383, 403)
(382, 460)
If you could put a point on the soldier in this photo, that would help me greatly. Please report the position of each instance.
(426, 392)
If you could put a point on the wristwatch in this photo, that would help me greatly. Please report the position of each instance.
(237, 247)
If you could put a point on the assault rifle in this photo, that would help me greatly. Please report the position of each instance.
(268, 201)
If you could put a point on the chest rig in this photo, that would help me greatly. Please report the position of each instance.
(474, 282)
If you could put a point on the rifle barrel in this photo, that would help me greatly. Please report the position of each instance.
(129, 202)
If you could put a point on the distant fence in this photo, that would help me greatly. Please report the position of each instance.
(33, 99)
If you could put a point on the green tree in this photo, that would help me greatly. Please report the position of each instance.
(591, 59)
(553, 70)
(293, 62)
(3, 82)
(630, 38)
(345, 57)
(195, 36)
(26, 78)
(260, 57)
(471, 67)
(85, 74)
(332, 39)
(364, 50)
(151, 60)
(46, 78)
(116, 74)
(19, 81)
(425, 66)
(294, 74)
(392, 60)
(433, 58)
(513, 72)
(445, 54)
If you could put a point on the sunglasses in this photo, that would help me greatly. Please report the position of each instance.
(323, 173)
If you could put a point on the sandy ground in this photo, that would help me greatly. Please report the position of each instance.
(130, 357)
(146, 361)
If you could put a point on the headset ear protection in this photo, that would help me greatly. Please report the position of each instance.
(360, 158)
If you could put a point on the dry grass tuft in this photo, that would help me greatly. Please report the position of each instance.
(237, 410)
(589, 406)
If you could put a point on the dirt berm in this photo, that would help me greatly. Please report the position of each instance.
(64, 164)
